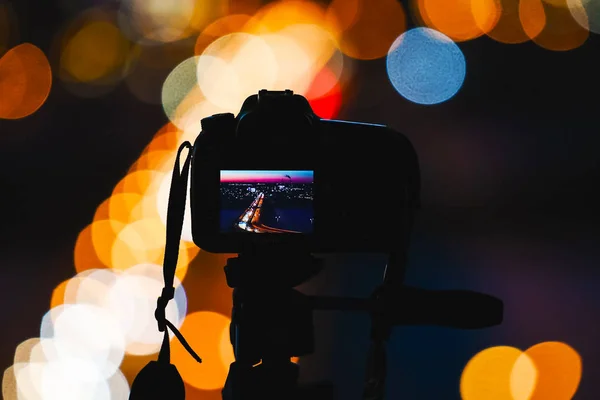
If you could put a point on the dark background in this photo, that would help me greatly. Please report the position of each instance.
(510, 174)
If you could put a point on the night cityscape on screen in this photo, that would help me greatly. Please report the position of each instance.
(267, 201)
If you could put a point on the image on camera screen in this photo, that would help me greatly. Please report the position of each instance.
(266, 201)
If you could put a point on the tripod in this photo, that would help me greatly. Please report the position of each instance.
(271, 322)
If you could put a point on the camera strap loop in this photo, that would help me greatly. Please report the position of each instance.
(175, 216)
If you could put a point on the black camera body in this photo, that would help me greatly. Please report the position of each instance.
(279, 175)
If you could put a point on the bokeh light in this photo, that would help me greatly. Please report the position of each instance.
(548, 370)
(248, 7)
(84, 332)
(156, 21)
(277, 15)
(204, 332)
(267, 50)
(58, 294)
(488, 375)
(559, 369)
(25, 81)
(319, 45)
(167, 138)
(370, 35)
(95, 51)
(138, 181)
(90, 287)
(456, 19)
(150, 66)
(586, 13)
(28, 377)
(9, 384)
(121, 204)
(560, 32)
(523, 378)
(104, 233)
(234, 67)
(132, 299)
(92, 53)
(223, 26)
(325, 94)
(43, 352)
(84, 254)
(500, 20)
(143, 242)
(294, 64)
(343, 14)
(425, 66)
(23, 350)
(129, 297)
(181, 80)
(157, 160)
(71, 378)
(62, 379)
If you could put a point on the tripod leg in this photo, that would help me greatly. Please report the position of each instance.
(240, 384)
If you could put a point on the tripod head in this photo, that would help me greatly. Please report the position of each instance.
(272, 322)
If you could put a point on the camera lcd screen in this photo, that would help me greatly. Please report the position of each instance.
(266, 201)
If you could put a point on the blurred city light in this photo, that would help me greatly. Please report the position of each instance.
(503, 18)
(25, 81)
(560, 32)
(325, 95)
(95, 51)
(343, 14)
(176, 87)
(165, 139)
(223, 26)
(548, 370)
(278, 15)
(586, 13)
(23, 350)
(154, 21)
(143, 242)
(61, 379)
(234, 67)
(104, 234)
(488, 375)
(559, 369)
(523, 378)
(93, 54)
(120, 206)
(150, 66)
(456, 19)
(370, 34)
(425, 66)
(86, 332)
(9, 384)
(90, 287)
(132, 299)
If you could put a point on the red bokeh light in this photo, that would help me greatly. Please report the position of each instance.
(325, 105)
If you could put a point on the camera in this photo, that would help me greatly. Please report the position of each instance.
(276, 184)
(279, 175)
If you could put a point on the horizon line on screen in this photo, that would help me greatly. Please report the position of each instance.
(266, 176)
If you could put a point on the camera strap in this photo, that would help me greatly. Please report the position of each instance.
(175, 216)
